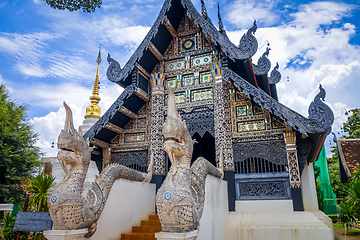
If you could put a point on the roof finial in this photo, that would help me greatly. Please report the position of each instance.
(99, 56)
(221, 25)
(94, 110)
(203, 9)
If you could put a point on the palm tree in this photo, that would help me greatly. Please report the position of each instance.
(353, 196)
(39, 187)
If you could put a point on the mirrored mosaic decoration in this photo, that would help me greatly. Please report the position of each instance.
(179, 98)
(206, 77)
(134, 137)
(241, 111)
(188, 43)
(201, 60)
(201, 94)
(176, 65)
(251, 126)
(172, 82)
(188, 80)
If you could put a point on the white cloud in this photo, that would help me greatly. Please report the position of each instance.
(317, 13)
(242, 13)
(77, 97)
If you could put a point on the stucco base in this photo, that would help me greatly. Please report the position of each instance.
(213, 219)
(66, 234)
(176, 236)
(129, 202)
(275, 226)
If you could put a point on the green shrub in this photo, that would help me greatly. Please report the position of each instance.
(9, 222)
(39, 187)
(333, 217)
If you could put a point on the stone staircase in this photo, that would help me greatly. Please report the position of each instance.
(146, 230)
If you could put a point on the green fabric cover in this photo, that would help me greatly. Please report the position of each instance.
(325, 184)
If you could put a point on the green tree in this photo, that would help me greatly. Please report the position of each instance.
(352, 125)
(39, 187)
(18, 155)
(87, 6)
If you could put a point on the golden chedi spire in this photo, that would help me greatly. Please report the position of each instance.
(94, 110)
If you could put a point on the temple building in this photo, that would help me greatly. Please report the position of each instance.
(230, 105)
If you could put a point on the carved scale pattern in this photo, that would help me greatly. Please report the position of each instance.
(156, 134)
(199, 122)
(294, 170)
(128, 158)
(273, 151)
(294, 119)
(263, 189)
(222, 121)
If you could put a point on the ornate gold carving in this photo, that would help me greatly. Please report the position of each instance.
(114, 127)
(222, 123)
(142, 71)
(141, 94)
(156, 52)
(127, 112)
(156, 138)
(170, 27)
(290, 142)
(99, 143)
(106, 156)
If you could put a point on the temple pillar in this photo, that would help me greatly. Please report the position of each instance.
(156, 138)
(223, 140)
(309, 193)
(293, 166)
(106, 156)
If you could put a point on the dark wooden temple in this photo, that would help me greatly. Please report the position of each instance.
(229, 103)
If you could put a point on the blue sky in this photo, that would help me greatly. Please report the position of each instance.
(48, 56)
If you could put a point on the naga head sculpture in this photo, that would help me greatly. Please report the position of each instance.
(73, 148)
(178, 142)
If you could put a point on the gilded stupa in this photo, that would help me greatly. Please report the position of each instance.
(93, 111)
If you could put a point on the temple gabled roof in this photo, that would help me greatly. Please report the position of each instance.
(171, 12)
(249, 78)
(349, 156)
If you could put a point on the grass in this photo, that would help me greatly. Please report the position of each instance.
(340, 226)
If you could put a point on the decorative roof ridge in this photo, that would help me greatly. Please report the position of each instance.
(320, 112)
(247, 48)
(275, 75)
(312, 125)
(221, 25)
(263, 64)
(104, 120)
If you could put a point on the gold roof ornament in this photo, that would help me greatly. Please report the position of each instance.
(94, 110)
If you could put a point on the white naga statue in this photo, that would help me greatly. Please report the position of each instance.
(180, 199)
(69, 210)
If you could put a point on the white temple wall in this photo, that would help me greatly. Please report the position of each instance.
(309, 189)
(128, 203)
(213, 219)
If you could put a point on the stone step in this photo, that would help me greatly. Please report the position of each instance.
(146, 230)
